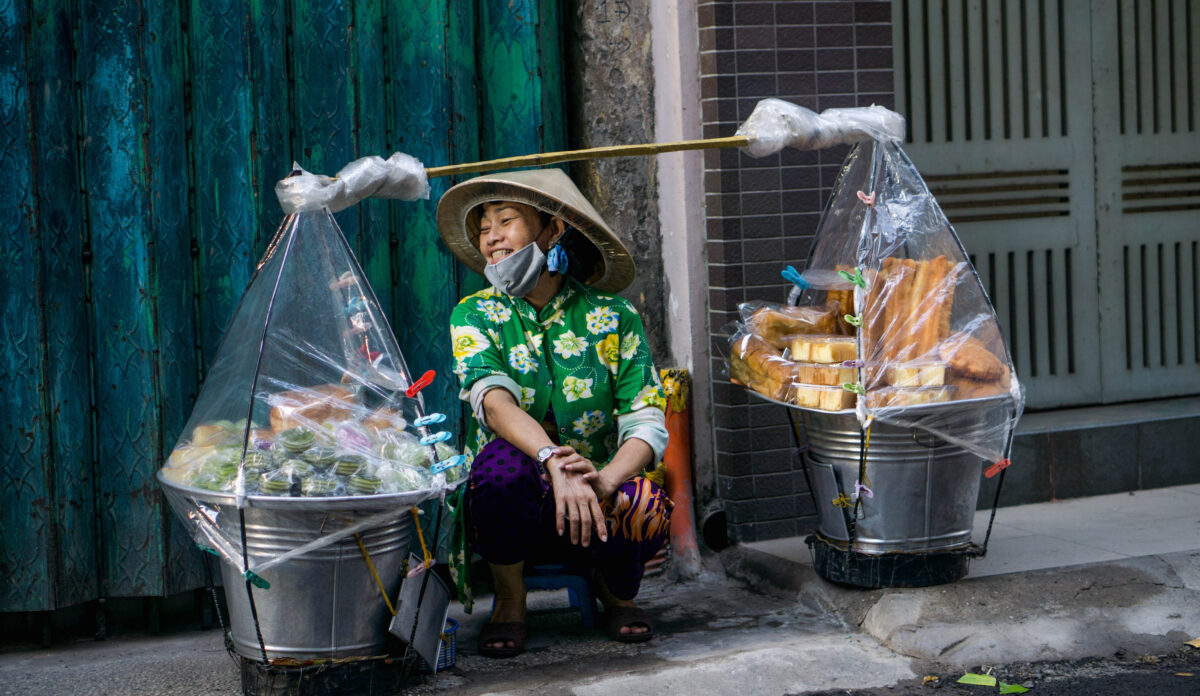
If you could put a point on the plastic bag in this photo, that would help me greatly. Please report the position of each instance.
(775, 124)
(308, 401)
(917, 344)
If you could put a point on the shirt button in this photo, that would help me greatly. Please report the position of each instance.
(549, 383)
(563, 431)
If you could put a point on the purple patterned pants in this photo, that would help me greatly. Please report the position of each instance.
(511, 513)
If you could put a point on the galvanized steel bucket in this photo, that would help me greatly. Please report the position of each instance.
(324, 603)
(924, 490)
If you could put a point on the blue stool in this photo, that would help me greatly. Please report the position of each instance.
(556, 576)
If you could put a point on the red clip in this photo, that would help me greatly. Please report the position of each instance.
(868, 199)
(420, 384)
(996, 468)
(367, 353)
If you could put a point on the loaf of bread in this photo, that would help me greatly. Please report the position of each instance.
(928, 373)
(778, 325)
(825, 375)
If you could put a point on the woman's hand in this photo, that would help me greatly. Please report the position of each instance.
(576, 506)
(601, 485)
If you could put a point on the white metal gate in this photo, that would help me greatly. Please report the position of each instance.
(1061, 139)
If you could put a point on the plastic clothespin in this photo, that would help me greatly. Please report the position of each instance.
(436, 438)
(860, 490)
(355, 305)
(206, 549)
(996, 468)
(256, 580)
(856, 388)
(420, 384)
(842, 501)
(868, 198)
(855, 277)
(852, 363)
(791, 275)
(456, 460)
(430, 419)
(853, 319)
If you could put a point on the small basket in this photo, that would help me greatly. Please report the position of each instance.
(449, 653)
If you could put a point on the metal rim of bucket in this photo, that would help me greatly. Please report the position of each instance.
(342, 503)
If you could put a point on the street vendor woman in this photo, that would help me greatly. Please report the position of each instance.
(567, 408)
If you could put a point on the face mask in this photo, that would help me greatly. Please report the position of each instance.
(516, 274)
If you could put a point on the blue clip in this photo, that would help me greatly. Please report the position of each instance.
(791, 275)
(355, 305)
(206, 549)
(456, 460)
(430, 419)
(436, 438)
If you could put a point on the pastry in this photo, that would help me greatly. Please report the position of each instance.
(347, 464)
(363, 484)
(893, 397)
(823, 398)
(310, 406)
(209, 435)
(318, 485)
(917, 374)
(968, 357)
(296, 440)
(756, 364)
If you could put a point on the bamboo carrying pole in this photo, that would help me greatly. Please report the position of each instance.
(589, 153)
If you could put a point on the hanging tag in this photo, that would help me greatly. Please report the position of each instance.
(430, 419)
(256, 580)
(853, 319)
(855, 277)
(420, 384)
(996, 468)
(861, 490)
(791, 275)
(856, 388)
(456, 460)
(869, 199)
(436, 438)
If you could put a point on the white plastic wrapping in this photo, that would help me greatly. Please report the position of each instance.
(775, 124)
(400, 177)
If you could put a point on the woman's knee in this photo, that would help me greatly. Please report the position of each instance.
(641, 511)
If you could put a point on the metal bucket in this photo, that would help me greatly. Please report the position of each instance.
(325, 603)
(925, 490)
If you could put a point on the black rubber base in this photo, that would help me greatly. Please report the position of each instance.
(849, 567)
(367, 676)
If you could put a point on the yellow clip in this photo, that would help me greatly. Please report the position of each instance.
(842, 501)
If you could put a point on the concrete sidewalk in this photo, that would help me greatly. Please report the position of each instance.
(1079, 578)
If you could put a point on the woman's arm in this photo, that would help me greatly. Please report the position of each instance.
(633, 456)
(575, 504)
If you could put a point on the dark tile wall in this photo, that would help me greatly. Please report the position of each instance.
(762, 213)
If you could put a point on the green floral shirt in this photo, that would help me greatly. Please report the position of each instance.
(584, 355)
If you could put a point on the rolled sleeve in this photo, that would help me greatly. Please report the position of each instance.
(648, 424)
(484, 385)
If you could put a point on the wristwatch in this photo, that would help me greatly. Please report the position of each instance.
(543, 456)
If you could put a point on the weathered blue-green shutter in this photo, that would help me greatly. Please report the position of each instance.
(171, 290)
(128, 439)
(271, 147)
(26, 519)
(66, 365)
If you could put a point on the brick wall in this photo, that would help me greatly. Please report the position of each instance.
(761, 214)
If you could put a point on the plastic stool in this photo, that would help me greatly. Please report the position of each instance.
(556, 576)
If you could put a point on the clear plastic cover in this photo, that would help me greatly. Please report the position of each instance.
(308, 402)
(914, 327)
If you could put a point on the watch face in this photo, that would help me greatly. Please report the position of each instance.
(545, 453)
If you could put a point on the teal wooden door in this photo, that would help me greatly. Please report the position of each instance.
(142, 147)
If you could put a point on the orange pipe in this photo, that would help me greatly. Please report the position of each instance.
(678, 463)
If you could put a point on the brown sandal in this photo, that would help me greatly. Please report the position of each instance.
(508, 631)
(618, 616)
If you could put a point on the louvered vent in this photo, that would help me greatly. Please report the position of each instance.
(1161, 304)
(1034, 296)
(1156, 65)
(1159, 188)
(1002, 195)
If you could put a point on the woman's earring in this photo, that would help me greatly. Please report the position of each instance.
(556, 260)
